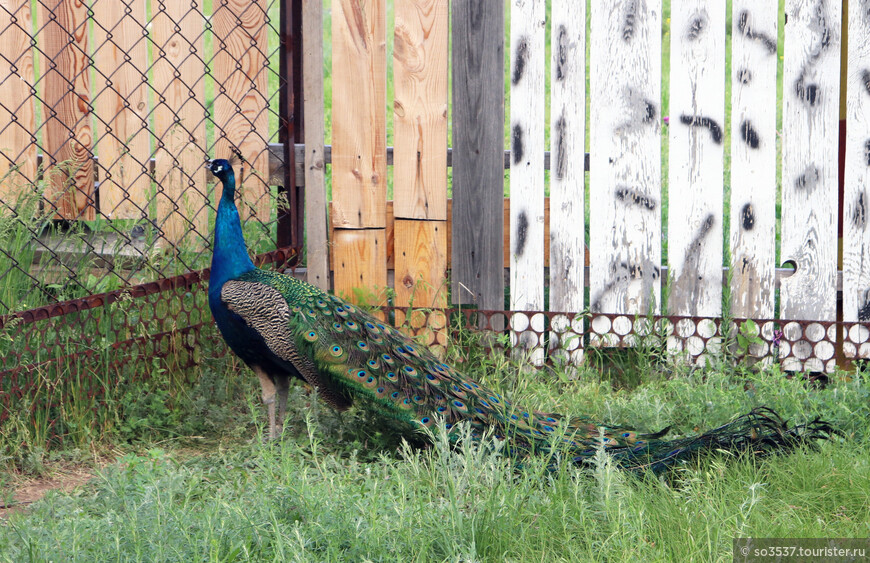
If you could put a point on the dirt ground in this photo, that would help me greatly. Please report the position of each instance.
(29, 490)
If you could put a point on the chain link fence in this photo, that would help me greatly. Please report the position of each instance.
(108, 111)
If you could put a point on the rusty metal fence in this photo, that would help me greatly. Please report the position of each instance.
(109, 110)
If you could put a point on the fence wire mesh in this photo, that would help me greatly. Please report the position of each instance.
(108, 112)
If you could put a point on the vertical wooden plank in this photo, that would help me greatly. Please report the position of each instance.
(527, 167)
(420, 250)
(17, 111)
(420, 154)
(68, 133)
(809, 158)
(241, 98)
(567, 173)
(753, 158)
(359, 153)
(856, 232)
(122, 109)
(695, 170)
(420, 110)
(317, 253)
(354, 250)
(478, 153)
(625, 156)
(179, 122)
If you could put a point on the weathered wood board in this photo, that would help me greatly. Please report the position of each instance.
(17, 110)
(123, 135)
(695, 166)
(753, 158)
(856, 223)
(625, 156)
(241, 99)
(68, 130)
(527, 166)
(359, 151)
(179, 124)
(317, 246)
(477, 275)
(809, 158)
(567, 173)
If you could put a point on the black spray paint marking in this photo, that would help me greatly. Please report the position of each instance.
(865, 80)
(517, 144)
(859, 214)
(562, 46)
(867, 151)
(634, 197)
(864, 307)
(809, 179)
(641, 111)
(521, 58)
(706, 122)
(560, 157)
(744, 76)
(749, 134)
(697, 26)
(747, 217)
(809, 94)
(629, 20)
(745, 27)
(522, 232)
(622, 274)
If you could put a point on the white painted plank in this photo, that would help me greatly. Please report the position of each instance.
(753, 157)
(809, 158)
(527, 169)
(567, 173)
(625, 156)
(695, 170)
(856, 232)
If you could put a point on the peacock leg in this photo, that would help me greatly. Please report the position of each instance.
(268, 388)
(283, 389)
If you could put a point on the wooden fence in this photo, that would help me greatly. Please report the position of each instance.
(623, 241)
(115, 98)
(148, 101)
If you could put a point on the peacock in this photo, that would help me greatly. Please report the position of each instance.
(283, 327)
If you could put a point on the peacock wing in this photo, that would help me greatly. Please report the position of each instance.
(265, 311)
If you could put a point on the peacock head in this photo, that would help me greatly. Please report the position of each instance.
(220, 168)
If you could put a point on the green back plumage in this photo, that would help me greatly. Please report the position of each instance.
(346, 352)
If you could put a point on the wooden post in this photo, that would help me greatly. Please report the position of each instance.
(695, 171)
(478, 153)
(420, 158)
(122, 110)
(359, 152)
(567, 176)
(625, 157)
(317, 253)
(179, 123)
(527, 174)
(809, 163)
(241, 99)
(17, 110)
(68, 133)
(753, 158)
(856, 222)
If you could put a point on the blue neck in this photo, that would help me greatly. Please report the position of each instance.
(230, 258)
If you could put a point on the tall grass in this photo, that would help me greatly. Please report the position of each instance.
(315, 497)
